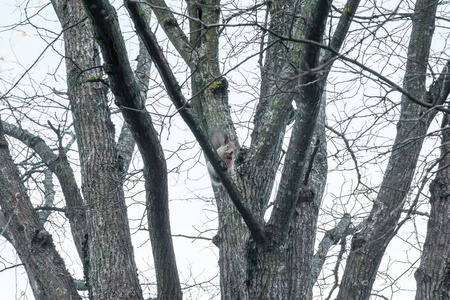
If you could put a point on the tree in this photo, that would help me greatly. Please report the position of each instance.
(275, 206)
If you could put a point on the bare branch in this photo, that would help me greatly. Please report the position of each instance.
(172, 29)
(349, 148)
(332, 237)
(183, 107)
(127, 93)
(49, 195)
(63, 170)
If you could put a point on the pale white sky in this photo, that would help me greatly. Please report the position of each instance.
(189, 188)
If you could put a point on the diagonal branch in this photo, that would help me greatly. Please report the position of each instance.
(174, 92)
(126, 90)
(332, 237)
(342, 28)
(46, 270)
(310, 89)
(63, 170)
(172, 29)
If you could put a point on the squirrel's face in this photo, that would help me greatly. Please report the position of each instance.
(229, 153)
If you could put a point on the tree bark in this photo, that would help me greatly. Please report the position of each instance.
(46, 271)
(369, 245)
(210, 105)
(306, 91)
(129, 99)
(303, 266)
(433, 277)
(108, 263)
(245, 264)
(60, 166)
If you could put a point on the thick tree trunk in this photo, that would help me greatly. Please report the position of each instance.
(46, 271)
(109, 264)
(249, 269)
(211, 109)
(302, 231)
(433, 277)
(369, 245)
(128, 97)
(306, 91)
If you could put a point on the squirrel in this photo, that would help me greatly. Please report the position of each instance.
(227, 151)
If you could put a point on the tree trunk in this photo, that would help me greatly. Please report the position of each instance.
(433, 277)
(46, 271)
(369, 245)
(128, 97)
(251, 269)
(109, 264)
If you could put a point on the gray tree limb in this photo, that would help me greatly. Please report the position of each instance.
(172, 29)
(432, 278)
(60, 166)
(128, 97)
(184, 109)
(369, 245)
(46, 271)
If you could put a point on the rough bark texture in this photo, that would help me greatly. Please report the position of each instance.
(433, 278)
(129, 99)
(300, 244)
(109, 264)
(126, 143)
(59, 165)
(252, 268)
(211, 109)
(369, 245)
(258, 259)
(306, 91)
(46, 271)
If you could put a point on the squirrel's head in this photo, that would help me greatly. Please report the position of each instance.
(230, 150)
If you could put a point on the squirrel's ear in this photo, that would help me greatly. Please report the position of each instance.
(226, 140)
